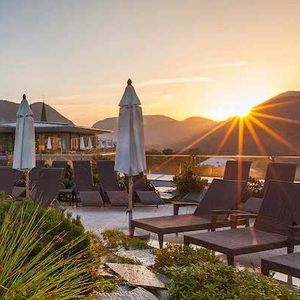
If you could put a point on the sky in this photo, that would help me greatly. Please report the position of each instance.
(209, 58)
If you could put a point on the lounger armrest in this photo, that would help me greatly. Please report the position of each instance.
(225, 211)
(242, 215)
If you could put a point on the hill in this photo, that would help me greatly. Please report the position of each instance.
(272, 128)
(9, 109)
(162, 131)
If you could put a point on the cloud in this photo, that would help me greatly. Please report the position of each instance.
(229, 64)
(163, 81)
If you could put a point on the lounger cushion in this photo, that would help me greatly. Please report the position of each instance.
(148, 197)
(238, 241)
(252, 205)
(18, 191)
(173, 224)
(117, 198)
(90, 198)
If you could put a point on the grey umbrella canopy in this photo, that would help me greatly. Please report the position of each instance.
(130, 153)
(24, 149)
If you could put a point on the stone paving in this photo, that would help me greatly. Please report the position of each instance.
(99, 219)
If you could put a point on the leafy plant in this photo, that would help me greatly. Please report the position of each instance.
(189, 180)
(55, 223)
(181, 256)
(221, 282)
(48, 274)
(115, 238)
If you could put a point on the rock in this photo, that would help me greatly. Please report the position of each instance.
(146, 257)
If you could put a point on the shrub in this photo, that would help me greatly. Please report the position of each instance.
(55, 223)
(48, 274)
(221, 282)
(181, 256)
(188, 180)
(115, 238)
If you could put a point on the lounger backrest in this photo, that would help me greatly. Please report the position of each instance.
(107, 175)
(62, 164)
(7, 179)
(83, 175)
(280, 207)
(281, 172)
(35, 173)
(237, 170)
(221, 195)
(3, 162)
(48, 185)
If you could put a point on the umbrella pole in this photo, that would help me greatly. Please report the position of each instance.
(130, 205)
(27, 183)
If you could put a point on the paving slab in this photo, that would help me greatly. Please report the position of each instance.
(137, 275)
(146, 257)
(136, 294)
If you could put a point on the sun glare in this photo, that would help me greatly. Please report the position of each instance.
(243, 112)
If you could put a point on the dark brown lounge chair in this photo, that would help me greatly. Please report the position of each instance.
(221, 194)
(144, 193)
(8, 178)
(288, 264)
(111, 191)
(84, 184)
(3, 162)
(275, 171)
(234, 170)
(279, 210)
(62, 164)
(46, 190)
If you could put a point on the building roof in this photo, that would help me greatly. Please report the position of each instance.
(54, 127)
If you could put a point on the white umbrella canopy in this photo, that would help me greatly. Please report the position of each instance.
(24, 149)
(49, 144)
(130, 153)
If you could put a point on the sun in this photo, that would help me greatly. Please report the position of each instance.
(243, 112)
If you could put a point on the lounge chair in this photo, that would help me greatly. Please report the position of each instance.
(144, 193)
(60, 164)
(3, 162)
(34, 174)
(46, 190)
(280, 209)
(275, 171)
(84, 185)
(221, 194)
(111, 191)
(288, 264)
(8, 178)
(234, 170)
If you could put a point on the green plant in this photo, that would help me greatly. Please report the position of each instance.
(181, 256)
(48, 274)
(189, 180)
(56, 223)
(115, 238)
(218, 281)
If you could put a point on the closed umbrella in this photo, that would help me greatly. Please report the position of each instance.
(130, 153)
(49, 143)
(90, 144)
(24, 149)
(82, 144)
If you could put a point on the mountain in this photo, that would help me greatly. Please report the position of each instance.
(9, 109)
(271, 128)
(162, 131)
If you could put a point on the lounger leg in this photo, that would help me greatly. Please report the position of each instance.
(230, 260)
(265, 269)
(160, 240)
(131, 230)
(175, 210)
(290, 249)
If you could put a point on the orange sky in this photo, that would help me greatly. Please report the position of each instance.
(211, 58)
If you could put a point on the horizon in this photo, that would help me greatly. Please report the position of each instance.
(216, 60)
